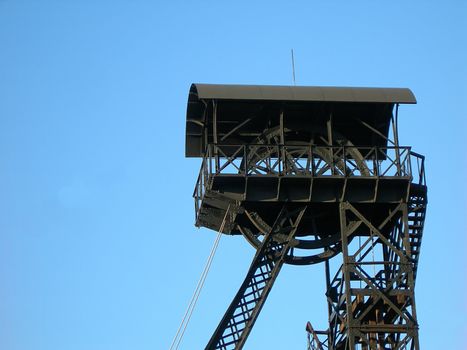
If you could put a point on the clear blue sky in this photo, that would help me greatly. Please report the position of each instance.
(97, 244)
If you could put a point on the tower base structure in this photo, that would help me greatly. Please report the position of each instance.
(371, 297)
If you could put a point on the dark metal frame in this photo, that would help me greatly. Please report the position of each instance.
(380, 311)
(371, 298)
(235, 326)
(307, 161)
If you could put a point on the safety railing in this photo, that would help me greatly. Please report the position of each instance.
(418, 168)
(308, 161)
(201, 184)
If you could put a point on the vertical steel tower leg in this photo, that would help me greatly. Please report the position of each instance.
(242, 313)
(372, 295)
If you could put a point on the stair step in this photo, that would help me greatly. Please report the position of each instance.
(254, 290)
(415, 232)
(419, 207)
(415, 226)
(420, 204)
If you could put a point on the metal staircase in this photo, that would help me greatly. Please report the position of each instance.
(416, 218)
(242, 313)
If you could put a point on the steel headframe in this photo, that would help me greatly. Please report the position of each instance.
(371, 299)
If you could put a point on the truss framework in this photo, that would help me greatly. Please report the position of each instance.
(242, 313)
(267, 159)
(371, 298)
(267, 152)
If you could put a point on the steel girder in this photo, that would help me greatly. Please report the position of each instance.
(235, 326)
(371, 298)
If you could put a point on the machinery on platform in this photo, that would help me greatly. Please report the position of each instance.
(306, 174)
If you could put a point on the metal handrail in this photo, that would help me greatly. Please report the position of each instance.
(420, 161)
(308, 160)
(261, 159)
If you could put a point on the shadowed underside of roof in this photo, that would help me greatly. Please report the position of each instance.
(303, 106)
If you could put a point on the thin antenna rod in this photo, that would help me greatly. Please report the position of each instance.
(293, 68)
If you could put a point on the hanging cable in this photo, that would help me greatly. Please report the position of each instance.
(194, 299)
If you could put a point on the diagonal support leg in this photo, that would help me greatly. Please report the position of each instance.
(235, 326)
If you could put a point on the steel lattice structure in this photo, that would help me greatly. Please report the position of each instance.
(307, 174)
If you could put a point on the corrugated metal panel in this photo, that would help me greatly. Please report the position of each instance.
(304, 93)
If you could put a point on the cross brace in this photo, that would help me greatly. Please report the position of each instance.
(371, 298)
(235, 326)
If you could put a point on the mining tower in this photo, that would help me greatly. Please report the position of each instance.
(307, 174)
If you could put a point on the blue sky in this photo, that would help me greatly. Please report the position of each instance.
(97, 244)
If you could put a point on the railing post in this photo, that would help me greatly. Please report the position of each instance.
(408, 167)
(245, 159)
(208, 166)
(376, 170)
(208, 156)
(281, 158)
(398, 161)
(344, 159)
(313, 170)
(218, 159)
(309, 160)
(333, 166)
(422, 180)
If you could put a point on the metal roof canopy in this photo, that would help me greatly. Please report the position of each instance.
(303, 93)
(374, 104)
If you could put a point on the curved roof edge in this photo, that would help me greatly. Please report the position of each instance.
(304, 93)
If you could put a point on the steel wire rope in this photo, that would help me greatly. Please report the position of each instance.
(194, 299)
